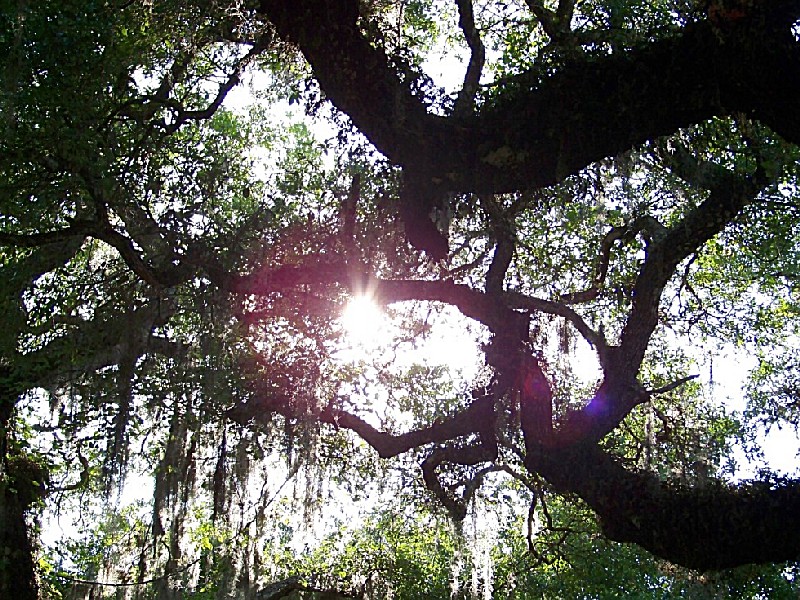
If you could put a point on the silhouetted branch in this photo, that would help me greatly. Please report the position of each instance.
(671, 386)
(465, 103)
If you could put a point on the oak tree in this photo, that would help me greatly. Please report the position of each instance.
(618, 172)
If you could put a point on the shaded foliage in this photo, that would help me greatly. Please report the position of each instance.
(592, 208)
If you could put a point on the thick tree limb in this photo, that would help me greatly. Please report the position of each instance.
(537, 132)
(283, 278)
(465, 422)
(79, 229)
(704, 527)
(102, 230)
(536, 406)
(475, 304)
(470, 420)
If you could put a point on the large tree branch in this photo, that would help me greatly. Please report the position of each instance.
(101, 230)
(560, 125)
(728, 195)
(472, 303)
(356, 75)
(537, 131)
(77, 231)
(703, 527)
(470, 420)
(92, 345)
(620, 391)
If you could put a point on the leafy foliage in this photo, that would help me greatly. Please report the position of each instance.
(592, 217)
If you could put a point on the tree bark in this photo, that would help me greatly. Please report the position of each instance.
(21, 486)
(538, 130)
(705, 527)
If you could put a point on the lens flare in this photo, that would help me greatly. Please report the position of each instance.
(364, 321)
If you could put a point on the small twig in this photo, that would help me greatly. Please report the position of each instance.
(671, 386)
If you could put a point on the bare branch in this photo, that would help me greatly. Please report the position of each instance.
(465, 103)
(503, 231)
(144, 109)
(671, 386)
(601, 270)
(467, 455)
(456, 272)
(728, 196)
(83, 478)
(647, 224)
(467, 421)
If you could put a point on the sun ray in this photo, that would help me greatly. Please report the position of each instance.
(363, 321)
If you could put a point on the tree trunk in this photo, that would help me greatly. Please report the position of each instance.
(21, 485)
(17, 574)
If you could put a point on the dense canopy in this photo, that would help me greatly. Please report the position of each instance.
(192, 192)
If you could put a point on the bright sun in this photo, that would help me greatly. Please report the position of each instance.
(449, 339)
(364, 321)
